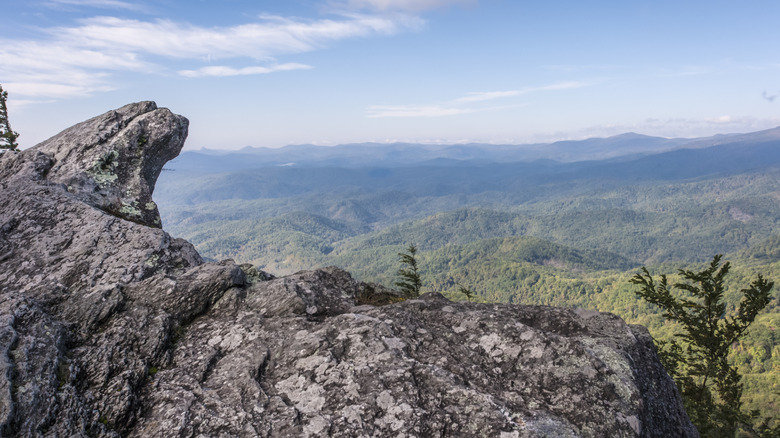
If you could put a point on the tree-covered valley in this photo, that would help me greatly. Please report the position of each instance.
(566, 224)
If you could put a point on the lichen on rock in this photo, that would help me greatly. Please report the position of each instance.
(112, 161)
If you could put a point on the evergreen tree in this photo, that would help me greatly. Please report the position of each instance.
(466, 291)
(710, 386)
(7, 135)
(410, 282)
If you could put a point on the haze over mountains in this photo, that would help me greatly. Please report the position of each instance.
(563, 224)
(368, 166)
(404, 154)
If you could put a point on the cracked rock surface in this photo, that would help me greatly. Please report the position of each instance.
(111, 327)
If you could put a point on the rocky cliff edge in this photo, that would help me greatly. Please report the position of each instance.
(111, 327)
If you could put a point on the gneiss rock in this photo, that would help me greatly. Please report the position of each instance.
(110, 327)
(112, 161)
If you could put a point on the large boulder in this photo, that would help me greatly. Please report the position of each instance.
(111, 327)
(112, 161)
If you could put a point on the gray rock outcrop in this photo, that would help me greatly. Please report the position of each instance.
(111, 327)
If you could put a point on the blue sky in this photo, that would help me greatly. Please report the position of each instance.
(272, 73)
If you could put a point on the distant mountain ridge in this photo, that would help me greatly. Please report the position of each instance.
(406, 154)
(200, 178)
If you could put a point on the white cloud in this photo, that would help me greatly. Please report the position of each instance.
(489, 95)
(79, 60)
(58, 70)
(272, 36)
(56, 90)
(685, 71)
(585, 67)
(470, 103)
(34, 56)
(401, 5)
(560, 86)
(221, 70)
(108, 4)
(378, 111)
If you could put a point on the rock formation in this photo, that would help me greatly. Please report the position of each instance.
(111, 327)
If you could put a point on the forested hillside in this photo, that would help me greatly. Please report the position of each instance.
(686, 221)
(540, 232)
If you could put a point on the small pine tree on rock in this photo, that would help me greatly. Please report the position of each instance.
(7, 135)
(410, 282)
(466, 291)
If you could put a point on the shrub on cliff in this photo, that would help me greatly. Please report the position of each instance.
(410, 282)
(711, 387)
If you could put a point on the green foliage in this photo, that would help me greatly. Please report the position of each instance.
(766, 251)
(410, 282)
(709, 383)
(717, 214)
(7, 135)
(468, 293)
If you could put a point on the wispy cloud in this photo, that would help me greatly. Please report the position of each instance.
(560, 86)
(487, 95)
(378, 111)
(58, 70)
(690, 70)
(105, 4)
(221, 70)
(470, 103)
(570, 68)
(399, 5)
(79, 60)
(272, 36)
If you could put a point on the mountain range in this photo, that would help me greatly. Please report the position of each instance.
(717, 194)
(405, 154)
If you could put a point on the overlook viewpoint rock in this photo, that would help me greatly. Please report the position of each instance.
(111, 327)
